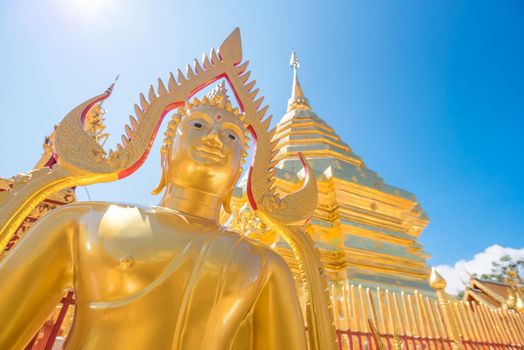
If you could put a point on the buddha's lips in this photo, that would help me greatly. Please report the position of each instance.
(211, 152)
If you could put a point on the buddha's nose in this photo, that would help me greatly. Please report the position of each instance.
(212, 139)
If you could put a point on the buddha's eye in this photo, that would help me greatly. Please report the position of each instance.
(231, 137)
(197, 125)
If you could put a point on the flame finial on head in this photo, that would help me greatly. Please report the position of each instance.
(219, 94)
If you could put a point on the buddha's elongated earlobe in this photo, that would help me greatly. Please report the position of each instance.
(226, 203)
(161, 185)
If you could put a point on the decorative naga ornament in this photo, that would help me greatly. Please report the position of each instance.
(81, 160)
(514, 297)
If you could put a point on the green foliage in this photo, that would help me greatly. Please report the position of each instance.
(499, 270)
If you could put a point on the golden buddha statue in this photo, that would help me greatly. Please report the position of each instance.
(166, 276)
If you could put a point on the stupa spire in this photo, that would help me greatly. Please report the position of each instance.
(297, 100)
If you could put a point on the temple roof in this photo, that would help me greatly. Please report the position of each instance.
(493, 293)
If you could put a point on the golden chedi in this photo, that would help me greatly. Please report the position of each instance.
(167, 276)
(366, 229)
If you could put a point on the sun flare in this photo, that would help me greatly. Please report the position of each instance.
(86, 9)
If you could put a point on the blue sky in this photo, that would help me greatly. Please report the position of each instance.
(429, 94)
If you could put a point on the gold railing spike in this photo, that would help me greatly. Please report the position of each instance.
(409, 321)
(391, 324)
(438, 283)
(364, 310)
(371, 306)
(398, 321)
(398, 314)
(354, 307)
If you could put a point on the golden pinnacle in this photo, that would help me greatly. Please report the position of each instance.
(436, 281)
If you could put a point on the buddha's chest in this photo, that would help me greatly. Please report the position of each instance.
(178, 294)
(120, 267)
(137, 261)
(134, 268)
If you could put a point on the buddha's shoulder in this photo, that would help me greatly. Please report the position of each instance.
(257, 253)
(124, 220)
(95, 209)
(118, 218)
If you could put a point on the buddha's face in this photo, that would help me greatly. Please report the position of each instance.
(207, 151)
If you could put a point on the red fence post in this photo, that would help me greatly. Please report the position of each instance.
(66, 302)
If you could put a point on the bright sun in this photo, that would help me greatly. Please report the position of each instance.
(87, 9)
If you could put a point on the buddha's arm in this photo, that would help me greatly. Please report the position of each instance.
(34, 277)
(277, 319)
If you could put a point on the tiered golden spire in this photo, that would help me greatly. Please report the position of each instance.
(297, 100)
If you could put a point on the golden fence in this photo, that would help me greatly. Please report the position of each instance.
(415, 321)
(403, 321)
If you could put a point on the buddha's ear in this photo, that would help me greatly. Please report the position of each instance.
(160, 185)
